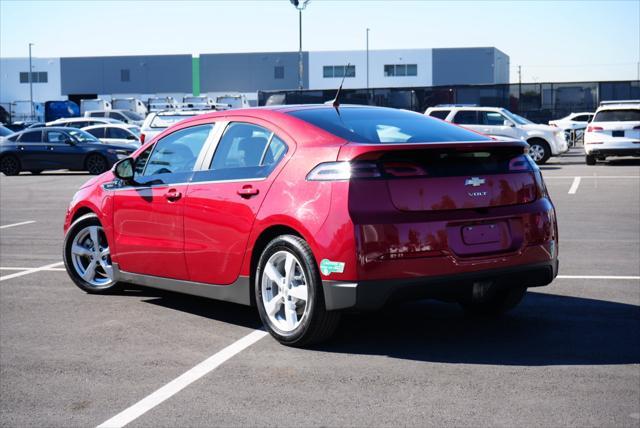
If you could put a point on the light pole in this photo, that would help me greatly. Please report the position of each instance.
(300, 5)
(31, 83)
(367, 59)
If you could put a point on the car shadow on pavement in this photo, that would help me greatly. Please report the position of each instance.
(544, 330)
(232, 313)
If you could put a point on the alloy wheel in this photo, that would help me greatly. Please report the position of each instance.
(91, 257)
(284, 291)
(96, 164)
(9, 165)
(536, 151)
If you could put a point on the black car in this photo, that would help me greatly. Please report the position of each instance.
(40, 149)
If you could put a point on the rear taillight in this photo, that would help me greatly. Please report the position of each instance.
(332, 171)
(142, 137)
(594, 128)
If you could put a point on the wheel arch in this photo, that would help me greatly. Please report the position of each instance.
(263, 239)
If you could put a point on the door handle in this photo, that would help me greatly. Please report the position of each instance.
(49, 147)
(172, 195)
(21, 147)
(248, 191)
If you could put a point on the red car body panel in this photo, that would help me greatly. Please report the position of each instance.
(380, 229)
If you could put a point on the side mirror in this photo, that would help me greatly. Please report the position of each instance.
(508, 123)
(124, 169)
(69, 141)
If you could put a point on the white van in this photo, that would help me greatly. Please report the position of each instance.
(132, 104)
(233, 100)
(201, 102)
(161, 103)
(94, 104)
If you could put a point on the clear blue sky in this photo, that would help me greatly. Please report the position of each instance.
(552, 40)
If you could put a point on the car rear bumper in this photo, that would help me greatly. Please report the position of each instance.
(618, 151)
(373, 294)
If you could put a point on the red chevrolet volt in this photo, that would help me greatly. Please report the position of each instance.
(307, 211)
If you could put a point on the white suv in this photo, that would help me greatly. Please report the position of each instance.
(544, 140)
(614, 131)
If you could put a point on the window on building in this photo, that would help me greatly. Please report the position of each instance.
(278, 72)
(125, 75)
(400, 70)
(36, 77)
(339, 71)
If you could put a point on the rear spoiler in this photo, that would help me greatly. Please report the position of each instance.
(351, 151)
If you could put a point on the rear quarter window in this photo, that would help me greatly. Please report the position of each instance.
(384, 125)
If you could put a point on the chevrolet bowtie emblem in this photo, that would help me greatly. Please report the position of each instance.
(474, 181)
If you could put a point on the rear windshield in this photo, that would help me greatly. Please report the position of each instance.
(628, 115)
(384, 125)
(166, 121)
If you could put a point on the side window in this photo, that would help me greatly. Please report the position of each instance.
(79, 124)
(96, 132)
(580, 118)
(466, 117)
(492, 118)
(96, 114)
(246, 151)
(55, 137)
(440, 114)
(177, 152)
(116, 115)
(31, 137)
(117, 133)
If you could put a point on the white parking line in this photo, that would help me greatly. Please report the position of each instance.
(17, 224)
(27, 268)
(574, 186)
(30, 270)
(181, 382)
(596, 277)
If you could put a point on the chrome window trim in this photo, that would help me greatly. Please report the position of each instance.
(108, 186)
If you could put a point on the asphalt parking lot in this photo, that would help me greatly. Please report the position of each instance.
(569, 355)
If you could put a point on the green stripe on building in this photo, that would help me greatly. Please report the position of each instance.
(195, 75)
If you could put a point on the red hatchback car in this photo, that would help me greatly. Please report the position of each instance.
(306, 211)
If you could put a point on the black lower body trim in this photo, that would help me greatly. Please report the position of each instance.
(616, 152)
(371, 295)
(236, 292)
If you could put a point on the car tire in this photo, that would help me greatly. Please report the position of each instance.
(88, 264)
(539, 150)
(96, 164)
(289, 318)
(590, 159)
(10, 165)
(495, 303)
(36, 171)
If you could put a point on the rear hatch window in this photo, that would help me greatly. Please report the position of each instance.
(384, 125)
(626, 115)
(448, 179)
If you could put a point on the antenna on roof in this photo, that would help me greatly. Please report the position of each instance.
(336, 101)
